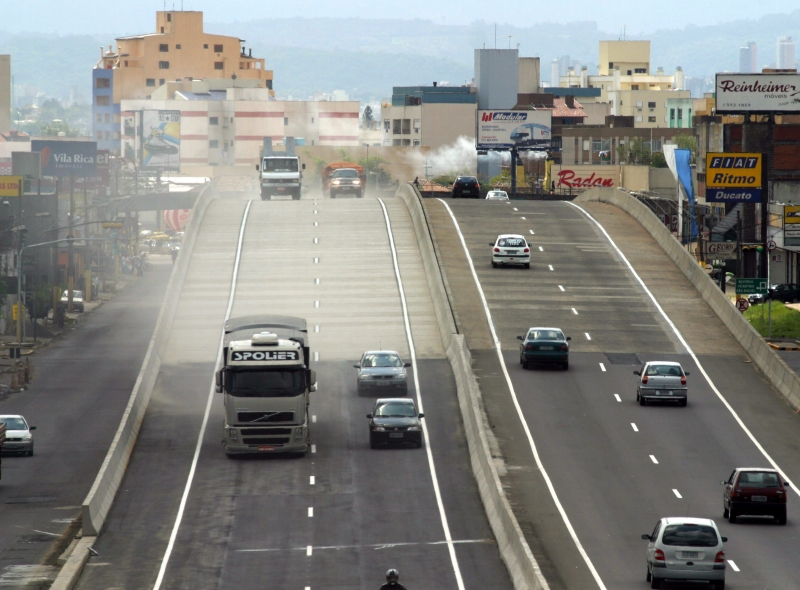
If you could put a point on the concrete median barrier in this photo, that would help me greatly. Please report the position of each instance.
(514, 550)
(768, 362)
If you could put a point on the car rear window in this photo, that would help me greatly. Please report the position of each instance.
(690, 535)
(759, 479)
(511, 242)
(545, 335)
(664, 370)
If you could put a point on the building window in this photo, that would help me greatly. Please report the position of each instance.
(162, 29)
(99, 118)
(103, 101)
(218, 65)
(640, 70)
(395, 142)
(217, 48)
(651, 119)
(286, 120)
(406, 127)
(651, 105)
(406, 142)
(605, 145)
(386, 125)
(213, 144)
(629, 73)
(638, 118)
(417, 124)
(639, 104)
(396, 127)
(680, 114)
(126, 63)
(416, 142)
(178, 46)
(99, 135)
(205, 45)
(213, 120)
(163, 47)
(107, 118)
(671, 114)
(169, 18)
(150, 82)
(163, 65)
(596, 145)
(102, 83)
(269, 84)
(634, 86)
(611, 65)
(108, 136)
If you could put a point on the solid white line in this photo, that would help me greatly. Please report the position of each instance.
(550, 266)
(561, 287)
(313, 449)
(316, 356)
(575, 311)
(314, 418)
(530, 230)
(498, 349)
(653, 459)
(691, 353)
(541, 249)
(312, 480)
(587, 336)
(311, 512)
(309, 550)
(635, 429)
(677, 493)
(602, 367)
(618, 398)
(179, 518)
(413, 355)
(734, 567)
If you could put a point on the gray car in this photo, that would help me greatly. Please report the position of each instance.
(382, 371)
(662, 381)
(682, 548)
(18, 435)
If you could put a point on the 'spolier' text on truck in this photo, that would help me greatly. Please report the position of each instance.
(281, 175)
(266, 381)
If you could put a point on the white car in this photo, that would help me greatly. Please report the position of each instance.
(18, 435)
(497, 196)
(77, 299)
(682, 548)
(511, 249)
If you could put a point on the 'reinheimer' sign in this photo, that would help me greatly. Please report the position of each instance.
(758, 93)
(264, 355)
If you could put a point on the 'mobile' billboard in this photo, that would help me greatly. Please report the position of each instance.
(503, 130)
(758, 93)
(66, 158)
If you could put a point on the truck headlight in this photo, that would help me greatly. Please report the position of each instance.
(337, 182)
(356, 182)
(233, 434)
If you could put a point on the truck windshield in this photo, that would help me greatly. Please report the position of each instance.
(266, 383)
(280, 165)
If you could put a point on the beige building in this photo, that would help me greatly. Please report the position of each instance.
(5, 93)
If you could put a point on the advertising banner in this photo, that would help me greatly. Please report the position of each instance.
(9, 186)
(161, 140)
(177, 218)
(733, 177)
(97, 185)
(758, 93)
(722, 250)
(503, 130)
(66, 158)
(791, 225)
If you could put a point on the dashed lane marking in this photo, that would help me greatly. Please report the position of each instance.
(635, 428)
(677, 493)
(602, 367)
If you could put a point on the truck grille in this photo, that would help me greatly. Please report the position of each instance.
(263, 417)
(266, 441)
(265, 431)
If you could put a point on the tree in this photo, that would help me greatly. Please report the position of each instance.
(368, 114)
(658, 160)
(687, 142)
(634, 152)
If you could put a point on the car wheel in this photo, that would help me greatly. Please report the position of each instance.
(731, 514)
(683, 403)
(419, 444)
(565, 365)
(724, 512)
(719, 584)
(372, 443)
(494, 265)
(526, 365)
(527, 265)
(642, 401)
(30, 454)
(780, 518)
(655, 582)
(648, 575)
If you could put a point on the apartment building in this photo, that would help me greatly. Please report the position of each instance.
(5, 93)
(179, 49)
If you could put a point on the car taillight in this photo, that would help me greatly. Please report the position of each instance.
(563, 347)
(527, 250)
(736, 493)
(497, 249)
(781, 496)
(683, 379)
(659, 555)
(530, 347)
(644, 379)
(720, 558)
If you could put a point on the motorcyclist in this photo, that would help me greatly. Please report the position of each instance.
(392, 583)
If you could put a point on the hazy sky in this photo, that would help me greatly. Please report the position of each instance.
(138, 16)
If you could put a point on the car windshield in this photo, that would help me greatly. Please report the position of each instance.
(690, 535)
(266, 383)
(381, 360)
(663, 371)
(280, 165)
(14, 423)
(511, 242)
(345, 173)
(759, 479)
(545, 335)
(396, 410)
(75, 294)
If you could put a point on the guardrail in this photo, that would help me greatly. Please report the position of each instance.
(514, 550)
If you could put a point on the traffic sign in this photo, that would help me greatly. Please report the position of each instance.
(752, 286)
(771, 245)
(742, 305)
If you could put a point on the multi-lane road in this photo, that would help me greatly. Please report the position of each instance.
(598, 469)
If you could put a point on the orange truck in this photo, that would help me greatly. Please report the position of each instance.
(343, 178)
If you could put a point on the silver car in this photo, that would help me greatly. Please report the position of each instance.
(18, 435)
(381, 371)
(682, 548)
(497, 196)
(662, 381)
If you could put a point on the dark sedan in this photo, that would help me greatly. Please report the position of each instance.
(544, 345)
(467, 187)
(395, 421)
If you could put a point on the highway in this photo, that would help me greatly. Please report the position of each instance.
(187, 517)
(607, 468)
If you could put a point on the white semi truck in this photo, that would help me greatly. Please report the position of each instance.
(266, 381)
(281, 175)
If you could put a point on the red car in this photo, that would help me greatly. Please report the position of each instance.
(754, 491)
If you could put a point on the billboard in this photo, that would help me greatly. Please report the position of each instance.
(791, 225)
(758, 93)
(66, 158)
(733, 177)
(10, 186)
(177, 218)
(160, 140)
(503, 130)
(582, 177)
(98, 184)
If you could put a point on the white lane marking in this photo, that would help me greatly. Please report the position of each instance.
(617, 397)
(312, 480)
(734, 567)
(313, 449)
(522, 218)
(530, 230)
(316, 328)
(316, 240)
(575, 311)
(314, 418)
(316, 303)
(315, 211)
(587, 336)
(311, 512)
(309, 550)
(413, 355)
(550, 266)
(316, 223)
(515, 209)
(635, 428)
(691, 353)
(316, 356)
(541, 249)
(677, 493)
(498, 349)
(561, 287)
(653, 459)
(389, 545)
(316, 281)
(602, 367)
(316, 261)
(182, 507)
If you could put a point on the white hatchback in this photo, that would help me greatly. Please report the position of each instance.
(511, 249)
(682, 548)
(497, 196)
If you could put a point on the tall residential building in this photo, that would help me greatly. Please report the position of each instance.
(555, 73)
(5, 93)
(178, 50)
(785, 53)
(748, 58)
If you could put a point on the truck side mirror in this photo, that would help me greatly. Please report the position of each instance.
(257, 167)
(218, 387)
(304, 166)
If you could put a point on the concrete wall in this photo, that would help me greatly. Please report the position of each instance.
(529, 74)
(443, 124)
(663, 182)
(635, 178)
(782, 378)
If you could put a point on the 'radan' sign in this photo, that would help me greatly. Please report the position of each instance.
(586, 177)
(733, 177)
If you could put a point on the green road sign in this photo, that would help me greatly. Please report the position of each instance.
(752, 286)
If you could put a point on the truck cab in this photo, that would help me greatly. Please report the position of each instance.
(280, 175)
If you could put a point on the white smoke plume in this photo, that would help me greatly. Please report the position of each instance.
(458, 158)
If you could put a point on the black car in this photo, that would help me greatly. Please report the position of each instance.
(466, 187)
(395, 420)
(785, 293)
(544, 345)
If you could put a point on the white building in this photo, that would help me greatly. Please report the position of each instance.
(785, 53)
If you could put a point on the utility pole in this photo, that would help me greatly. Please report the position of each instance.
(513, 171)
(20, 309)
(70, 238)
